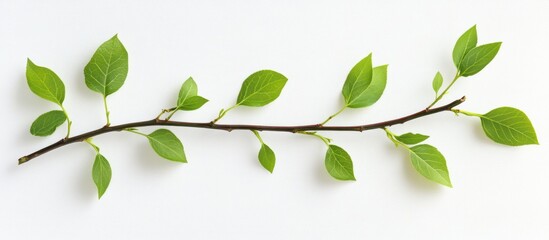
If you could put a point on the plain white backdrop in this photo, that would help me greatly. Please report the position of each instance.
(223, 193)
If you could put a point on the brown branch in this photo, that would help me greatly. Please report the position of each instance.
(230, 127)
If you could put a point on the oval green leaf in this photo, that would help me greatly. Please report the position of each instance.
(339, 164)
(478, 58)
(45, 83)
(464, 44)
(430, 163)
(437, 82)
(267, 157)
(108, 67)
(193, 103)
(261, 88)
(101, 174)
(509, 126)
(167, 145)
(46, 123)
(358, 80)
(411, 138)
(372, 93)
(188, 89)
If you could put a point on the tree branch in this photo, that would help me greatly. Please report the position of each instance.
(230, 127)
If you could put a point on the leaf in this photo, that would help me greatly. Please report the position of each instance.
(464, 44)
(108, 67)
(411, 138)
(430, 163)
(478, 58)
(358, 80)
(267, 157)
(45, 83)
(509, 126)
(167, 145)
(101, 174)
(46, 123)
(437, 82)
(193, 103)
(339, 163)
(261, 88)
(373, 92)
(188, 89)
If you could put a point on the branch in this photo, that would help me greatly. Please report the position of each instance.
(230, 127)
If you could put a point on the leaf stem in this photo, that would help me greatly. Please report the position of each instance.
(171, 114)
(466, 113)
(95, 147)
(391, 136)
(333, 115)
(223, 112)
(315, 134)
(69, 122)
(256, 133)
(230, 127)
(107, 113)
(439, 97)
(136, 132)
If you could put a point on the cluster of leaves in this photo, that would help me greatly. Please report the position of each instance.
(107, 70)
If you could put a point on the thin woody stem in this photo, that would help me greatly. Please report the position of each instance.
(230, 127)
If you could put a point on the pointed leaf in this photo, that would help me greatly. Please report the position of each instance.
(261, 88)
(464, 44)
(101, 174)
(108, 68)
(339, 163)
(188, 89)
(373, 92)
(411, 138)
(430, 163)
(45, 83)
(509, 126)
(267, 157)
(437, 82)
(193, 103)
(478, 58)
(167, 145)
(358, 80)
(46, 123)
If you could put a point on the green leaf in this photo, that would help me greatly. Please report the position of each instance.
(46, 123)
(267, 157)
(509, 126)
(101, 174)
(478, 58)
(411, 138)
(437, 82)
(339, 163)
(108, 68)
(372, 93)
(464, 44)
(193, 103)
(45, 83)
(358, 80)
(188, 89)
(167, 145)
(261, 88)
(430, 163)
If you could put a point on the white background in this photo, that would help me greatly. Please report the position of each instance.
(223, 193)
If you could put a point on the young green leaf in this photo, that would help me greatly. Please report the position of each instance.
(464, 44)
(193, 103)
(372, 93)
(46, 123)
(411, 138)
(167, 145)
(430, 163)
(101, 174)
(45, 83)
(477, 58)
(188, 89)
(267, 157)
(509, 126)
(358, 80)
(108, 68)
(437, 82)
(261, 88)
(339, 163)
